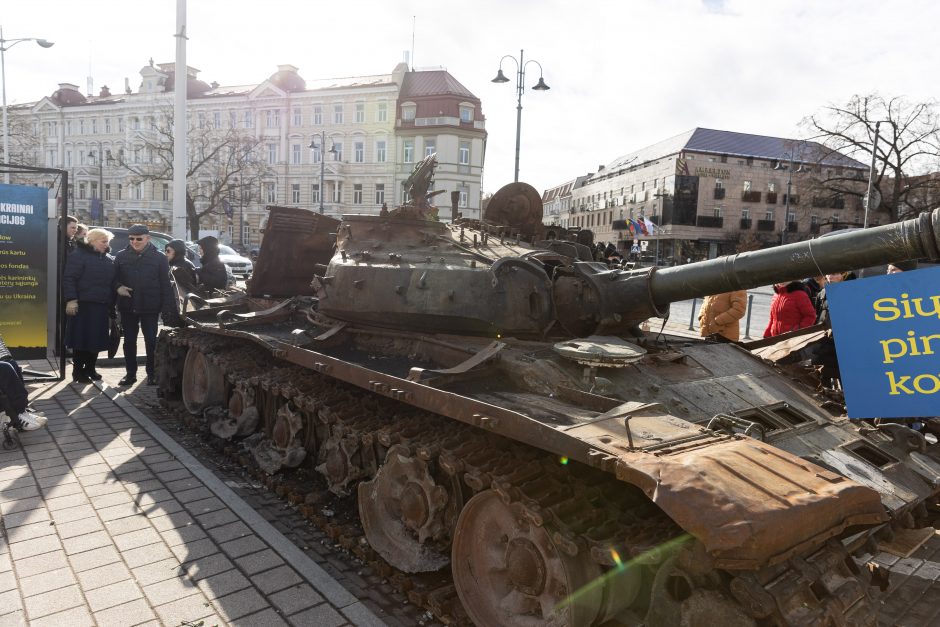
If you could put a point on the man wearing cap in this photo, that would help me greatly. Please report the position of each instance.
(144, 292)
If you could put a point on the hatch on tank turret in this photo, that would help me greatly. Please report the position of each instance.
(600, 351)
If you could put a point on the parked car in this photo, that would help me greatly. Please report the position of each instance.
(240, 266)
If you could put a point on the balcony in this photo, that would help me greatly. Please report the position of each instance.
(719, 193)
(794, 199)
(814, 228)
(771, 198)
(750, 196)
(792, 227)
(711, 222)
(766, 225)
(746, 224)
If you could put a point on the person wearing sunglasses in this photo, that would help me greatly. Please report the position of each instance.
(144, 292)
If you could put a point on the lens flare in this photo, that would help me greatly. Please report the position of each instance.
(563, 460)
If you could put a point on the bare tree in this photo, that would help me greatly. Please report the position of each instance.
(908, 150)
(222, 165)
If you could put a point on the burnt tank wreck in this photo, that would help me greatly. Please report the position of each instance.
(483, 393)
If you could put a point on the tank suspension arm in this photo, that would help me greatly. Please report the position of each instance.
(912, 239)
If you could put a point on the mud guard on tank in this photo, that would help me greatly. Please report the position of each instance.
(750, 504)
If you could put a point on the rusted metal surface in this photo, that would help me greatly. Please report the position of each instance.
(295, 241)
(539, 470)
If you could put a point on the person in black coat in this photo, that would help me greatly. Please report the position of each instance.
(181, 268)
(212, 274)
(144, 292)
(88, 290)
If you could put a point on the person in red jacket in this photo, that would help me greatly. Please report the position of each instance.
(790, 309)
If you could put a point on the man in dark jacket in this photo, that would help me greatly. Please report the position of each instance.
(144, 292)
(212, 274)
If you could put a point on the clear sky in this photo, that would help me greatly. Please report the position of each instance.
(623, 73)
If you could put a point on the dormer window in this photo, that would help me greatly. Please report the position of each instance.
(466, 114)
(408, 112)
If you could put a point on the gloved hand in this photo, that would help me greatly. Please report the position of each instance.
(71, 308)
(125, 291)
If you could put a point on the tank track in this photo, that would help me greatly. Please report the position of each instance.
(588, 513)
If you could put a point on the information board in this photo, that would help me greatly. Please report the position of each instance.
(887, 334)
(24, 214)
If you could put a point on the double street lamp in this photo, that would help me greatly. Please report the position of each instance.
(319, 149)
(6, 44)
(520, 88)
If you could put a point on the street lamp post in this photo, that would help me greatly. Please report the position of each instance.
(6, 44)
(662, 202)
(520, 88)
(786, 199)
(319, 149)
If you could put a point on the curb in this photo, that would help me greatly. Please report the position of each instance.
(332, 591)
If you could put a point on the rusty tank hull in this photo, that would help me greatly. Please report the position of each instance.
(491, 403)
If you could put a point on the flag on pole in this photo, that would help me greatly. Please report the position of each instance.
(652, 228)
(641, 222)
(227, 207)
(94, 209)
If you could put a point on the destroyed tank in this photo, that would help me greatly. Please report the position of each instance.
(486, 393)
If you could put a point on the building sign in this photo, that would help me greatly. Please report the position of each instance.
(717, 173)
(23, 276)
(887, 333)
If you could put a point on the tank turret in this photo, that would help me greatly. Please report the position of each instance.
(506, 279)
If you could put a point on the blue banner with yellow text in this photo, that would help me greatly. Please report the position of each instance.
(23, 272)
(887, 334)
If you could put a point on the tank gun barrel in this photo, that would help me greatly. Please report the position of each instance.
(916, 238)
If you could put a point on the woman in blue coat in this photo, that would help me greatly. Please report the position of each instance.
(88, 288)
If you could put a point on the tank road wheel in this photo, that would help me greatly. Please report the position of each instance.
(242, 418)
(508, 571)
(203, 382)
(283, 449)
(407, 515)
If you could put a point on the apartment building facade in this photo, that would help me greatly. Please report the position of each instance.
(713, 192)
(366, 129)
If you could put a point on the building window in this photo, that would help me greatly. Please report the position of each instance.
(716, 212)
(137, 191)
(360, 112)
(217, 119)
(408, 113)
(318, 115)
(246, 232)
(337, 114)
(295, 193)
(298, 116)
(745, 214)
(466, 114)
(359, 152)
(272, 118)
(81, 127)
(233, 119)
(408, 151)
(120, 191)
(249, 119)
(202, 120)
(771, 187)
(380, 151)
(337, 191)
(94, 126)
(791, 217)
(769, 215)
(317, 154)
(357, 194)
(270, 192)
(814, 220)
(463, 198)
(166, 192)
(429, 147)
(295, 154)
(272, 154)
(379, 193)
(337, 151)
(315, 193)
(231, 232)
(381, 112)
(463, 156)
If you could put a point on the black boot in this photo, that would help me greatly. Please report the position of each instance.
(90, 367)
(79, 365)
